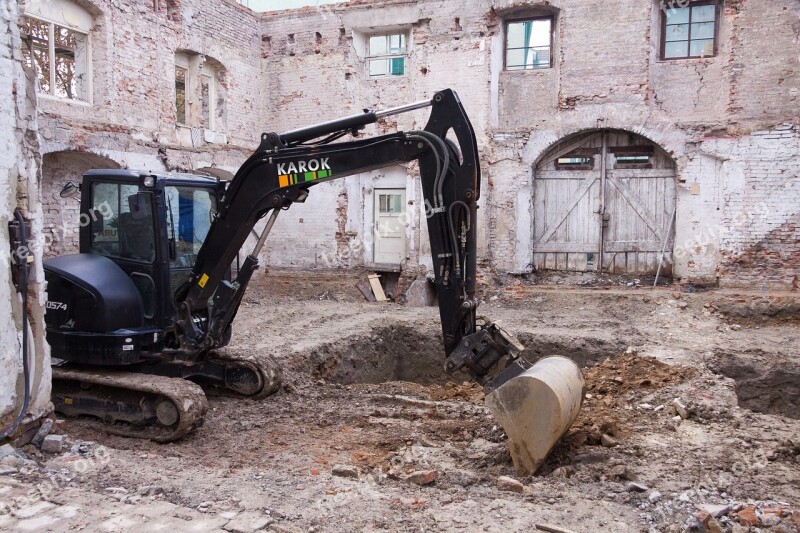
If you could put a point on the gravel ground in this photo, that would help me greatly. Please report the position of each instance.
(368, 433)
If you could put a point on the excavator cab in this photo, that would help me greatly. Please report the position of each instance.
(139, 238)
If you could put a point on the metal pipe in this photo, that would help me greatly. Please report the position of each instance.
(403, 109)
(353, 122)
(261, 240)
(664, 245)
(603, 177)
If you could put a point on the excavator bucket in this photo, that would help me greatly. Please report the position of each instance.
(536, 409)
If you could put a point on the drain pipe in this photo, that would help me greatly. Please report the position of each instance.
(25, 368)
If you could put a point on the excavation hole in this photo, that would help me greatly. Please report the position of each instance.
(389, 353)
(401, 352)
(766, 389)
(585, 351)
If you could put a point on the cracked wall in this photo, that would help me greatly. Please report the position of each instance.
(715, 116)
(600, 79)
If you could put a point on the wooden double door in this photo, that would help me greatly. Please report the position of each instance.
(604, 201)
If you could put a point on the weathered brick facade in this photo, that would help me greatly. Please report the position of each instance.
(729, 121)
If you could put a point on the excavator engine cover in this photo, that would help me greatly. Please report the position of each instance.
(95, 313)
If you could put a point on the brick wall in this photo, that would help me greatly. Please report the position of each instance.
(761, 241)
(293, 68)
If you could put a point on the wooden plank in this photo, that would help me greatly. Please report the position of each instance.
(577, 175)
(620, 265)
(643, 173)
(375, 283)
(637, 205)
(565, 210)
(366, 290)
(568, 247)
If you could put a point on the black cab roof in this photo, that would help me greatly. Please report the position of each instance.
(168, 177)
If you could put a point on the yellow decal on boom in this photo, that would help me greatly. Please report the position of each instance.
(203, 281)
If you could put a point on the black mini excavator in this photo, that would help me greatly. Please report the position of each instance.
(136, 316)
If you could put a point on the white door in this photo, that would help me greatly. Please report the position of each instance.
(390, 226)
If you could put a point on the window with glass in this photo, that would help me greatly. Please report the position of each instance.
(59, 56)
(390, 203)
(529, 44)
(189, 214)
(123, 228)
(386, 55)
(690, 31)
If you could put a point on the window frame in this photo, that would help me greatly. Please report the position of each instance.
(185, 121)
(117, 211)
(695, 3)
(517, 20)
(368, 56)
(52, 56)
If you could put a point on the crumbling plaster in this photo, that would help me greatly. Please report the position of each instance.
(288, 69)
(20, 168)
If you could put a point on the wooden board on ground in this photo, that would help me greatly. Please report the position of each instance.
(366, 290)
(375, 282)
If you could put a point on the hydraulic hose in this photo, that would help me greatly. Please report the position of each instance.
(24, 291)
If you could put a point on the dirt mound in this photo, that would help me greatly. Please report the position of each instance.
(615, 389)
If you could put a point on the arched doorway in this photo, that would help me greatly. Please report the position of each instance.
(61, 215)
(604, 201)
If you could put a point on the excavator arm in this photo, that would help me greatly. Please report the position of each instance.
(286, 166)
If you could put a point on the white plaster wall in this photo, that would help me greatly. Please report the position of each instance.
(19, 173)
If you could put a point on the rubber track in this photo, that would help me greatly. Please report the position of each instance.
(188, 397)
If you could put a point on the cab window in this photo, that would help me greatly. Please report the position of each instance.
(189, 215)
(122, 222)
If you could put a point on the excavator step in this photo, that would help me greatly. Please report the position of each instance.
(132, 405)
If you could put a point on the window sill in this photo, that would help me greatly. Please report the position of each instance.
(529, 71)
(707, 59)
(381, 78)
(214, 137)
(209, 136)
(59, 99)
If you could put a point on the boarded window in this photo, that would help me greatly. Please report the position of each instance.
(529, 44)
(386, 55)
(689, 31)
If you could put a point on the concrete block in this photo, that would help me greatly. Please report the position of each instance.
(53, 443)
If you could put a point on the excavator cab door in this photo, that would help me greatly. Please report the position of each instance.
(190, 210)
(122, 227)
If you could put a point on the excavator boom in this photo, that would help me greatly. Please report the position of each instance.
(535, 405)
(286, 166)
